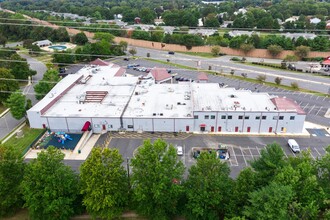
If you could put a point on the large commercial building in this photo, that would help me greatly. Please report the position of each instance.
(105, 99)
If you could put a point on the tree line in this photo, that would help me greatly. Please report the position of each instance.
(183, 12)
(153, 184)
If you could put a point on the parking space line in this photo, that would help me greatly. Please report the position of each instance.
(285, 153)
(317, 97)
(319, 110)
(251, 153)
(305, 106)
(310, 152)
(235, 155)
(317, 151)
(311, 109)
(243, 155)
(305, 95)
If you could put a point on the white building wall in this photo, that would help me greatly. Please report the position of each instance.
(35, 120)
(57, 124)
(164, 125)
(207, 118)
(76, 124)
(250, 122)
(105, 124)
(144, 124)
(184, 125)
(268, 125)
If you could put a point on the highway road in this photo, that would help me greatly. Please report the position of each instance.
(223, 64)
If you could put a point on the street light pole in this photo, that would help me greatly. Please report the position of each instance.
(128, 177)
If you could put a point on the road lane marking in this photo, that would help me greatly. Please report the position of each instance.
(319, 110)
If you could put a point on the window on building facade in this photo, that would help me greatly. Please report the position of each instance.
(264, 117)
(206, 117)
(257, 117)
(195, 116)
(275, 117)
(223, 117)
(240, 117)
(292, 117)
(281, 117)
(129, 126)
(212, 116)
(247, 117)
(230, 117)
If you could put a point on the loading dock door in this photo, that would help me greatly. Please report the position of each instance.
(212, 128)
(270, 129)
(248, 129)
(219, 129)
(187, 128)
(236, 129)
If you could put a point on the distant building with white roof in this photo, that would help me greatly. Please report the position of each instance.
(42, 43)
(108, 101)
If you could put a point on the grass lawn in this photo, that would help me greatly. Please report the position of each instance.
(199, 54)
(2, 108)
(30, 135)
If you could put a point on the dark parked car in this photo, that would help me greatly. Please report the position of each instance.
(126, 58)
(171, 52)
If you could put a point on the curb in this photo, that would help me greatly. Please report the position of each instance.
(4, 112)
(13, 132)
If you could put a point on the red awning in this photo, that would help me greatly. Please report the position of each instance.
(86, 126)
(202, 125)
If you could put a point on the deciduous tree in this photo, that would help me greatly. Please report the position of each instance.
(104, 184)
(156, 178)
(274, 50)
(48, 81)
(270, 202)
(208, 188)
(16, 102)
(8, 84)
(302, 51)
(49, 187)
(11, 176)
(80, 38)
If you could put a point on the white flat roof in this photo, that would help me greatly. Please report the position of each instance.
(160, 100)
(210, 97)
(119, 91)
(143, 98)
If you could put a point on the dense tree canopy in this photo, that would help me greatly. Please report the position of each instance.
(49, 187)
(11, 176)
(156, 178)
(104, 184)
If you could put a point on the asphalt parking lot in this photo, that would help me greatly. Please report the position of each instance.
(242, 149)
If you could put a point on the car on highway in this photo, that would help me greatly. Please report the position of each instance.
(171, 52)
(179, 150)
(294, 145)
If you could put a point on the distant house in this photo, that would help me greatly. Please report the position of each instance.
(202, 78)
(292, 19)
(226, 24)
(315, 20)
(240, 33)
(43, 43)
(137, 20)
(310, 36)
(240, 11)
(160, 75)
(203, 32)
(158, 21)
(326, 63)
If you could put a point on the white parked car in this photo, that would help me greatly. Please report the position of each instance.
(179, 150)
(294, 145)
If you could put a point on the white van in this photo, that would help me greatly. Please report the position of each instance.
(294, 145)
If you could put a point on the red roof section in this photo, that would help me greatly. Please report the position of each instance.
(99, 62)
(326, 61)
(203, 76)
(160, 74)
(120, 72)
(285, 104)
